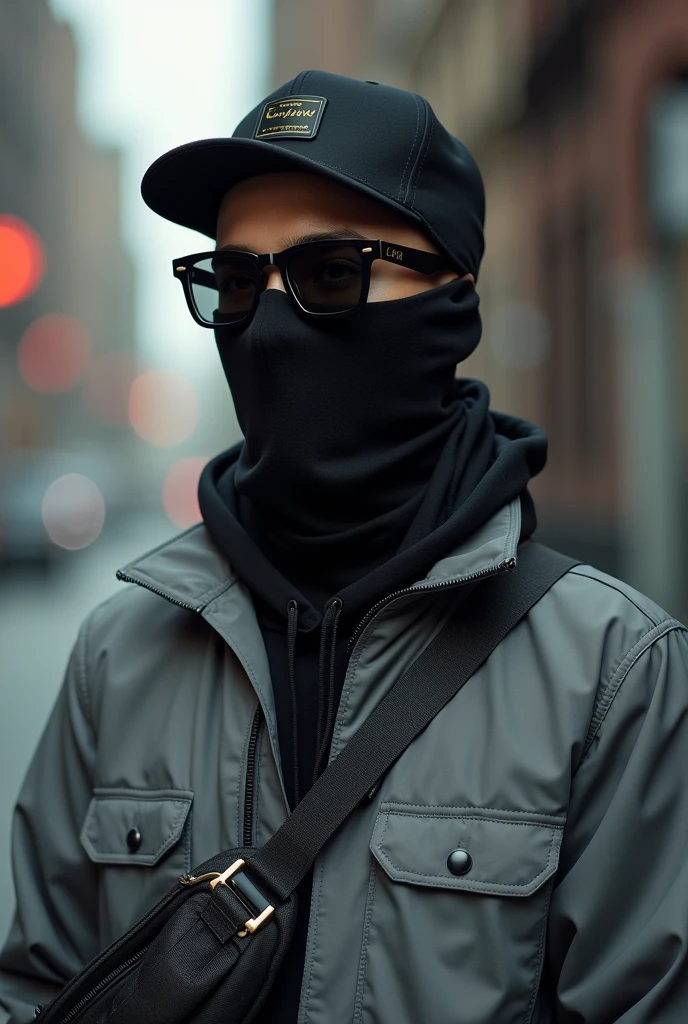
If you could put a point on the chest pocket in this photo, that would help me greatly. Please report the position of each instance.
(456, 914)
(141, 840)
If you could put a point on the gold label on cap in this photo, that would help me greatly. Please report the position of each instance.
(291, 117)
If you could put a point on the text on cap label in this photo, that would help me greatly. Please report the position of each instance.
(291, 117)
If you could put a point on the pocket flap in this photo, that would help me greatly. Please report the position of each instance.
(510, 853)
(134, 826)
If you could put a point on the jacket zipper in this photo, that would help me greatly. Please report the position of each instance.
(506, 566)
(123, 578)
(102, 983)
(251, 776)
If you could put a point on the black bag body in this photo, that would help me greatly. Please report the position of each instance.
(190, 959)
(209, 951)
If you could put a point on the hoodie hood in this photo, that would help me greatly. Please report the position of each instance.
(496, 459)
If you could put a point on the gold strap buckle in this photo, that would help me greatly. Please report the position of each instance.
(248, 895)
(224, 876)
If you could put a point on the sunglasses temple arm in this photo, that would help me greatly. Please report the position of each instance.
(415, 259)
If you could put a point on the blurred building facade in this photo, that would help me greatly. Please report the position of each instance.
(577, 112)
(66, 190)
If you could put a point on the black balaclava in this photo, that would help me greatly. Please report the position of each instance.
(344, 421)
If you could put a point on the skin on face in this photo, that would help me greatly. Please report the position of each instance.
(270, 212)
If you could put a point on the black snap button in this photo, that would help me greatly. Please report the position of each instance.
(133, 839)
(459, 862)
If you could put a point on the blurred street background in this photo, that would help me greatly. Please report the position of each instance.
(112, 400)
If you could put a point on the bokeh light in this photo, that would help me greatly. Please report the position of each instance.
(107, 385)
(53, 353)
(163, 408)
(73, 511)
(22, 260)
(180, 491)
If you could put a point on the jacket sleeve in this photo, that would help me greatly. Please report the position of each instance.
(55, 930)
(618, 927)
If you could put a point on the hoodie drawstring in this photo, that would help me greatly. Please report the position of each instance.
(292, 626)
(328, 647)
(326, 671)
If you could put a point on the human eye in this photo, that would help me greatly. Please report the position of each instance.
(232, 279)
(235, 283)
(335, 272)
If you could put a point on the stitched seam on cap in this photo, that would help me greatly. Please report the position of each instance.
(413, 146)
(298, 83)
(357, 177)
(422, 163)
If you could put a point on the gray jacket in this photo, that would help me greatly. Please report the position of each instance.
(561, 767)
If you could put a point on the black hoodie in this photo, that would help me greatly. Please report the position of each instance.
(308, 616)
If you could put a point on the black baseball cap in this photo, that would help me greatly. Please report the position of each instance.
(384, 142)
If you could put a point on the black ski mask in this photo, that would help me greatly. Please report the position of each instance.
(344, 421)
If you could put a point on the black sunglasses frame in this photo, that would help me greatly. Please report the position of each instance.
(369, 250)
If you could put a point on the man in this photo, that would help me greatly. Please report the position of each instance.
(526, 859)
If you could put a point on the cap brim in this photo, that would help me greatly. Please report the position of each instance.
(187, 184)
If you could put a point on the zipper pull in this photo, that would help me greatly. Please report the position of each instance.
(191, 880)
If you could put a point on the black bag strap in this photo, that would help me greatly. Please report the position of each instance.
(458, 650)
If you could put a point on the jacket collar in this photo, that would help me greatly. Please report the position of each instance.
(190, 570)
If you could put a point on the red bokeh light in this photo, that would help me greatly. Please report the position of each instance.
(53, 353)
(22, 260)
(107, 386)
(163, 408)
(180, 491)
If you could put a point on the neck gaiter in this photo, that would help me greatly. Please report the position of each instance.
(344, 421)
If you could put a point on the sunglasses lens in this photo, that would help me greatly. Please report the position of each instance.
(224, 287)
(327, 278)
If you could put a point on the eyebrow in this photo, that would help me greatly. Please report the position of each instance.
(333, 235)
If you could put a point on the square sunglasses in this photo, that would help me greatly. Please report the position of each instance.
(323, 278)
